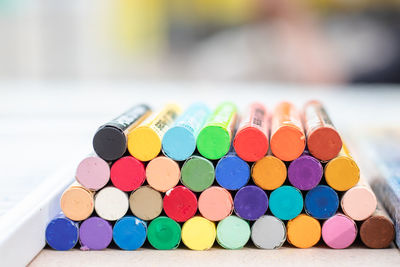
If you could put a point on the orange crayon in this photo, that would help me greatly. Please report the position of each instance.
(287, 136)
(269, 172)
(303, 231)
(323, 140)
(77, 202)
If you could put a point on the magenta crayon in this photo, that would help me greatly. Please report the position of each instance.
(339, 231)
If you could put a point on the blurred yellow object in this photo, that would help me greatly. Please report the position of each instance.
(141, 25)
(224, 11)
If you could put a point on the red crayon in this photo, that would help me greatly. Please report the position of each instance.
(323, 140)
(251, 140)
(180, 204)
(127, 173)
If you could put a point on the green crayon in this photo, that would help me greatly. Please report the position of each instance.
(214, 139)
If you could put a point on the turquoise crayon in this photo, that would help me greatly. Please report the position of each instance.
(286, 202)
(179, 142)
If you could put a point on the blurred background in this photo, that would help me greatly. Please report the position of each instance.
(301, 41)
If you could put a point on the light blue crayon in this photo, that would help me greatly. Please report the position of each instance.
(179, 142)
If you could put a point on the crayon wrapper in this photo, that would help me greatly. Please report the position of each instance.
(315, 116)
(193, 118)
(130, 119)
(285, 114)
(256, 117)
(224, 116)
(161, 121)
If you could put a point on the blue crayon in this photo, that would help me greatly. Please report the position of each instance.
(179, 142)
(321, 202)
(62, 233)
(232, 172)
(129, 233)
(286, 202)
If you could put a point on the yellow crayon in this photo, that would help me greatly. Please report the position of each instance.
(342, 172)
(198, 233)
(144, 142)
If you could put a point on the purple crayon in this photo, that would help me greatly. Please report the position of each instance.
(95, 233)
(251, 202)
(305, 172)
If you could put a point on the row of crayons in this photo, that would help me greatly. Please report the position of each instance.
(276, 144)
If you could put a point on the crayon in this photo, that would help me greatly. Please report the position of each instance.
(383, 150)
(305, 172)
(144, 141)
(268, 232)
(378, 230)
(179, 142)
(287, 136)
(111, 203)
(62, 233)
(251, 139)
(269, 173)
(339, 231)
(215, 203)
(162, 173)
(342, 172)
(146, 203)
(286, 202)
(233, 232)
(93, 173)
(250, 203)
(232, 172)
(129, 233)
(180, 204)
(214, 139)
(197, 173)
(127, 173)
(198, 233)
(110, 140)
(164, 233)
(323, 140)
(77, 202)
(303, 231)
(95, 234)
(321, 202)
(388, 191)
(359, 202)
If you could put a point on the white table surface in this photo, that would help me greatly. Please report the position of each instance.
(45, 126)
(285, 256)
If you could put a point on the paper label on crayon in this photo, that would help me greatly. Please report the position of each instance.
(285, 114)
(224, 116)
(255, 117)
(130, 118)
(163, 120)
(193, 119)
(316, 117)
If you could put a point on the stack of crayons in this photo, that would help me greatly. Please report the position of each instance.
(169, 177)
